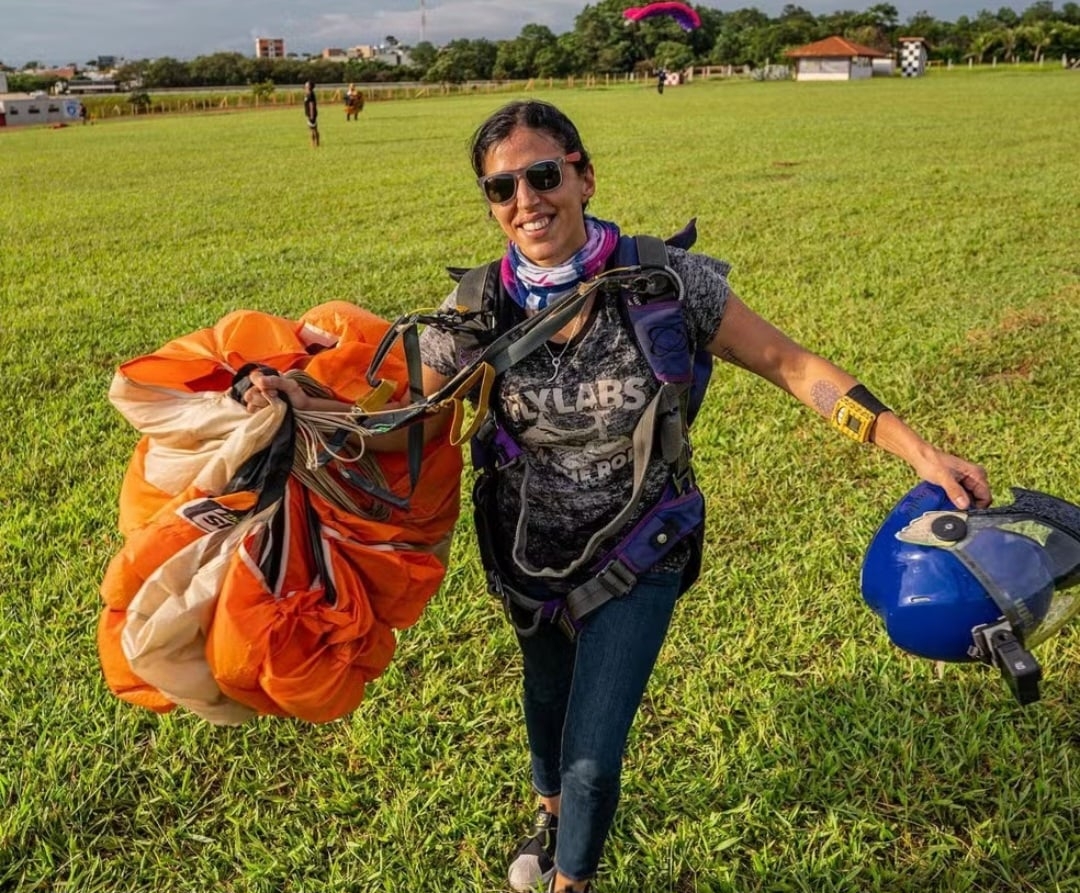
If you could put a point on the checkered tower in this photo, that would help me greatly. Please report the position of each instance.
(912, 57)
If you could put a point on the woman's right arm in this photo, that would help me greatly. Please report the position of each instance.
(265, 388)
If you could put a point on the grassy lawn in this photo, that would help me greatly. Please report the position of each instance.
(923, 233)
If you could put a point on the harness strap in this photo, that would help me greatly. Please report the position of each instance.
(665, 400)
(614, 581)
(503, 352)
(523, 339)
(415, 442)
(537, 610)
(483, 378)
(642, 269)
(476, 281)
(670, 522)
(676, 443)
(651, 251)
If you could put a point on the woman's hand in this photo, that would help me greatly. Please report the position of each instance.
(963, 482)
(265, 388)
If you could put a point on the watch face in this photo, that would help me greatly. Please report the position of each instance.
(853, 419)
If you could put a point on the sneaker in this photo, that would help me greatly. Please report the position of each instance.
(533, 862)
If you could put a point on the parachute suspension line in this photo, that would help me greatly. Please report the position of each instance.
(324, 437)
(314, 426)
(312, 429)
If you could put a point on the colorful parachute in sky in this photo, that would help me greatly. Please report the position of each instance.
(686, 16)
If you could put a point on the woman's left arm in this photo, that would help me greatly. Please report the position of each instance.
(747, 340)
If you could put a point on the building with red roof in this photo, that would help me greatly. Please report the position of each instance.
(835, 59)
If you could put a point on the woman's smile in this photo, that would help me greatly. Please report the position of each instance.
(548, 227)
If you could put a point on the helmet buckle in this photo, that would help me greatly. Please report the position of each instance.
(996, 644)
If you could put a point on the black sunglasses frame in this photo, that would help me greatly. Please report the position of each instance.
(536, 175)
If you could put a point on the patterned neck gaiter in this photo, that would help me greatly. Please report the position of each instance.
(534, 287)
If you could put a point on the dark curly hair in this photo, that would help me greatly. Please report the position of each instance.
(534, 114)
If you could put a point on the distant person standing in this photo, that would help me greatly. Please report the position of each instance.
(354, 103)
(661, 77)
(311, 112)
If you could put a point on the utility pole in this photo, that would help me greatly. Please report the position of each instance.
(423, 21)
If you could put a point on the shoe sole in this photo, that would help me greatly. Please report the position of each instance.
(539, 886)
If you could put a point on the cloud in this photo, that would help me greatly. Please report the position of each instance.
(442, 22)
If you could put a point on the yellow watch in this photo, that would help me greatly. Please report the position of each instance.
(855, 413)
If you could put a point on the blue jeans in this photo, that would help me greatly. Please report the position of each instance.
(580, 699)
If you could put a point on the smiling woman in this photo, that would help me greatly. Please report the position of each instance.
(552, 184)
(586, 534)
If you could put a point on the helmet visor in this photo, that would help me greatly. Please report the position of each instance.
(1024, 563)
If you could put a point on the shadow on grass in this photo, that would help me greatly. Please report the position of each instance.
(865, 783)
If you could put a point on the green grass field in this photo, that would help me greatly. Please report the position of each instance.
(922, 233)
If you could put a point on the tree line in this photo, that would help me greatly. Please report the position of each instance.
(603, 41)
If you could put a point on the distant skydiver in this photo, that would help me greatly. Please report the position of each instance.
(311, 112)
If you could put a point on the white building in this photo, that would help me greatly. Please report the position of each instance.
(387, 55)
(835, 59)
(20, 108)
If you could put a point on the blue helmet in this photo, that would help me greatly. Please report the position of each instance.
(947, 582)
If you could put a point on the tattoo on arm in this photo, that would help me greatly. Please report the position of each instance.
(824, 396)
(728, 356)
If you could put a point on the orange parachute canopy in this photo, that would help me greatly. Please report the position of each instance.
(257, 577)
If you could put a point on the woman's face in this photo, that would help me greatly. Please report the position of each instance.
(547, 227)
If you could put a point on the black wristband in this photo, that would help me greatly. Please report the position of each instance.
(861, 395)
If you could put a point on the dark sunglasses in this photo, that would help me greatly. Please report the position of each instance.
(542, 176)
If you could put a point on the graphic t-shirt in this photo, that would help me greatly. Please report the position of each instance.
(576, 423)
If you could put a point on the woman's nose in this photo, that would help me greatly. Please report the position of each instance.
(526, 197)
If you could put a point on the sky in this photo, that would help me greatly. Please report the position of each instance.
(56, 32)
